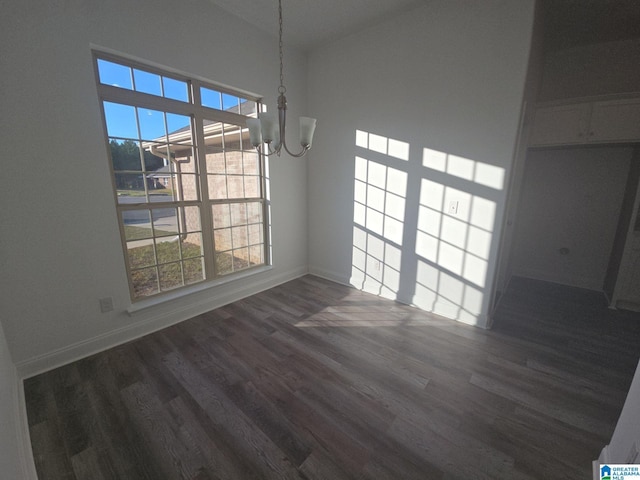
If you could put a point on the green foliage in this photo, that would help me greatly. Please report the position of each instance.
(126, 155)
(172, 275)
(133, 232)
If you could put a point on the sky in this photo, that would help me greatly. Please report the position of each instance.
(122, 120)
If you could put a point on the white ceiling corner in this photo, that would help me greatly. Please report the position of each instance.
(311, 23)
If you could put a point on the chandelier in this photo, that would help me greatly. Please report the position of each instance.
(269, 131)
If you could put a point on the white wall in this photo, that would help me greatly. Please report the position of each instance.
(9, 452)
(60, 249)
(534, 73)
(559, 198)
(598, 69)
(571, 199)
(447, 77)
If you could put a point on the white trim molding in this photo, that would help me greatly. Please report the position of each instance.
(160, 316)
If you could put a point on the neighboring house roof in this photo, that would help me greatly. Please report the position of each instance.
(163, 172)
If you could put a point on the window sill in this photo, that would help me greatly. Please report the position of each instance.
(146, 304)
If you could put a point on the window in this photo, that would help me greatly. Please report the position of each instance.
(188, 185)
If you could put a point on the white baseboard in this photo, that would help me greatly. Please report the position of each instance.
(329, 275)
(22, 433)
(167, 316)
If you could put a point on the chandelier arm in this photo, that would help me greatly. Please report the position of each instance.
(297, 155)
(269, 151)
(282, 119)
(282, 111)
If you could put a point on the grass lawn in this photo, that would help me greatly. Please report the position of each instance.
(141, 193)
(131, 232)
(173, 269)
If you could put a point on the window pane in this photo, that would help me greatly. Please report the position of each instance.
(133, 232)
(155, 160)
(179, 127)
(255, 234)
(170, 276)
(256, 255)
(168, 249)
(147, 82)
(165, 221)
(215, 160)
(221, 217)
(240, 236)
(192, 246)
(213, 135)
(121, 120)
(141, 253)
(251, 187)
(161, 183)
(238, 214)
(217, 185)
(233, 137)
(254, 212)
(240, 259)
(230, 102)
(175, 89)
(211, 98)
(222, 239)
(250, 161)
(248, 108)
(189, 187)
(193, 271)
(192, 219)
(235, 186)
(234, 162)
(137, 224)
(183, 157)
(224, 263)
(130, 188)
(125, 155)
(145, 282)
(152, 125)
(115, 75)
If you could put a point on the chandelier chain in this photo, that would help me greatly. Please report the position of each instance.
(281, 88)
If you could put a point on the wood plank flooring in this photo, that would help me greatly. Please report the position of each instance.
(314, 380)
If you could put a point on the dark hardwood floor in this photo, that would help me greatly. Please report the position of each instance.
(314, 380)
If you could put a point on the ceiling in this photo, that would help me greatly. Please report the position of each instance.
(310, 23)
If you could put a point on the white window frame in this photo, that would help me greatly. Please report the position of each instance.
(198, 113)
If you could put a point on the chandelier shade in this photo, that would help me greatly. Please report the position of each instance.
(267, 133)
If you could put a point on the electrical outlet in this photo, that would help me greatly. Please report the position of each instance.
(106, 304)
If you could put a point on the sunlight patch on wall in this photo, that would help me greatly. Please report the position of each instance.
(387, 146)
(457, 242)
(477, 172)
(448, 202)
(378, 214)
(454, 236)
